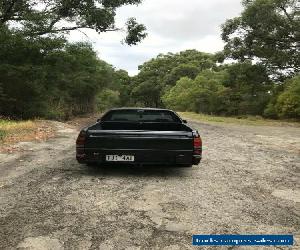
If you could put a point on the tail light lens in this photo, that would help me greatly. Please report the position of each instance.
(197, 145)
(81, 138)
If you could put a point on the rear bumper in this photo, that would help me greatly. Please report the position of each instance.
(153, 157)
(197, 159)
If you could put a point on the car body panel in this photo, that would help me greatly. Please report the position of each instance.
(149, 142)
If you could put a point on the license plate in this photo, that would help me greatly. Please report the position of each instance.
(129, 158)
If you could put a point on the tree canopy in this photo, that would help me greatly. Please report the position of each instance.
(288, 102)
(48, 77)
(33, 18)
(193, 81)
(267, 31)
(44, 75)
(162, 72)
(41, 73)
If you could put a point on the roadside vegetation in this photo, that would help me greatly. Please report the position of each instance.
(263, 80)
(43, 75)
(12, 132)
(8, 128)
(241, 120)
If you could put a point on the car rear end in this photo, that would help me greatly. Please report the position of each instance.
(139, 147)
(139, 143)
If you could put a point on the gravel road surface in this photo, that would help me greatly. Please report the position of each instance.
(247, 183)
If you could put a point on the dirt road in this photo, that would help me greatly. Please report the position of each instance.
(247, 183)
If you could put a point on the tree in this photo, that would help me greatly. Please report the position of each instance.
(267, 31)
(161, 73)
(123, 84)
(180, 97)
(148, 93)
(182, 70)
(23, 74)
(198, 95)
(107, 99)
(288, 102)
(248, 89)
(59, 16)
(48, 77)
(209, 89)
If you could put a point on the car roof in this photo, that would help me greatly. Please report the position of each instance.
(131, 108)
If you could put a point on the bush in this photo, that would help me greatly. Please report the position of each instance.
(288, 103)
(107, 99)
(201, 95)
(49, 78)
(270, 111)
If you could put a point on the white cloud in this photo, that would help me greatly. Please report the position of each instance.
(173, 25)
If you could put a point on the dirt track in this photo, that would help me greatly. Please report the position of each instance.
(247, 183)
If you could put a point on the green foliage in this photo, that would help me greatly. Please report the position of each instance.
(199, 95)
(288, 102)
(179, 96)
(48, 77)
(270, 111)
(135, 32)
(159, 74)
(123, 83)
(180, 71)
(107, 99)
(268, 31)
(148, 93)
(41, 74)
(57, 17)
(248, 89)
(236, 89)
(2, 134)
(117, 92)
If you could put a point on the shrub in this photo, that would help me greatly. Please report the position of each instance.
(288, 103)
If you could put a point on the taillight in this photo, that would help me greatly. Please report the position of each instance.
(197, 142)
(81, 138)
(197, 145)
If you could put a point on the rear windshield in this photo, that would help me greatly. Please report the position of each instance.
(141, 116)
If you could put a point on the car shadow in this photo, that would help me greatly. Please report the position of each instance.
(123, 170)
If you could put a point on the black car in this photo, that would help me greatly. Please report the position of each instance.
(139, 136)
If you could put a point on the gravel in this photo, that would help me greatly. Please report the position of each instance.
(247, 183)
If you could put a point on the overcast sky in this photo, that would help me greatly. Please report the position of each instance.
(172, 26)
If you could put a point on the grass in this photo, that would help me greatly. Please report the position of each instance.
(2, 134)
(15, 128)
(244, 120)
(12, 132)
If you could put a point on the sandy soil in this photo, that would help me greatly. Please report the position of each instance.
(247, 183)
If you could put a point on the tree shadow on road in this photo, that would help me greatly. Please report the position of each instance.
(124, 170)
